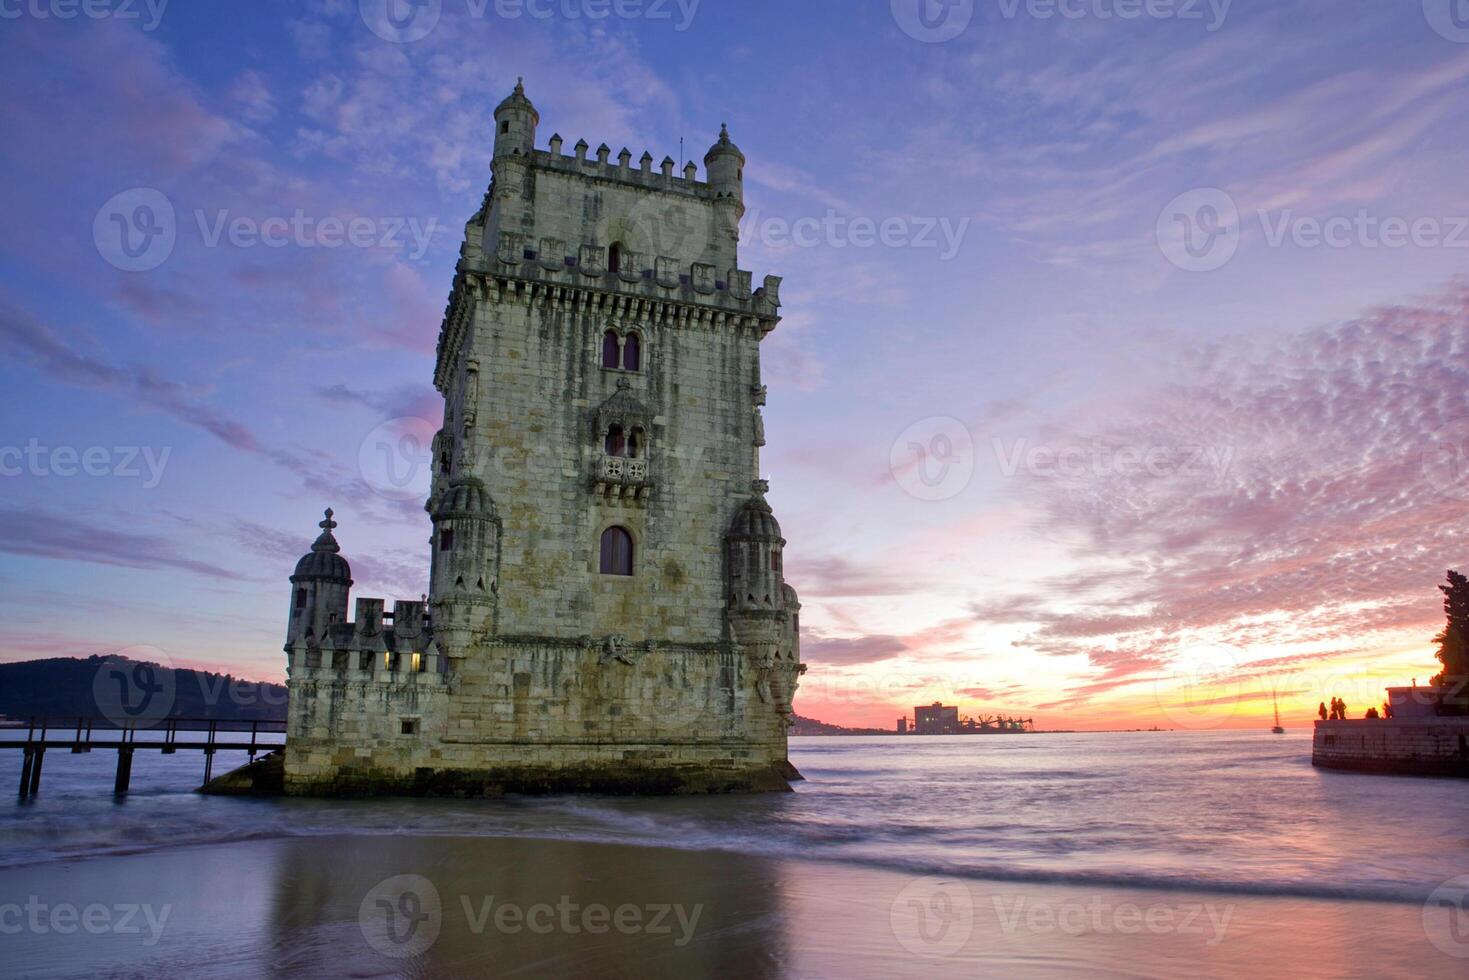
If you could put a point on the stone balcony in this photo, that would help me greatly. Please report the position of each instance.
(618, 479)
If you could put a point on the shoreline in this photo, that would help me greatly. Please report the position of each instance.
(312, 904)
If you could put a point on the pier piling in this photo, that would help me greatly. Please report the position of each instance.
(39, 757)
(124, 770)
(25, 773)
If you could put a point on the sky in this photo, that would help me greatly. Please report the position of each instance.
(1124, 371)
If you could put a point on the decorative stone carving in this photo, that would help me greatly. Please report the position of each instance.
(703, 277)
(616, 647)
(510, 249)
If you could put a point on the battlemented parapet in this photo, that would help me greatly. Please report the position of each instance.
(607, 607)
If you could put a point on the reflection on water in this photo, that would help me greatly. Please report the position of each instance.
(1239, 812)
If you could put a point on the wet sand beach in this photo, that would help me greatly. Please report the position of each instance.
(419, 906)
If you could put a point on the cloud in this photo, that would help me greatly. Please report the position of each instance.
(847, 652)
(1344, 500)
(27, 337)
(40, 533)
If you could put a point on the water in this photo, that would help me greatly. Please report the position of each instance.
(1240, 812)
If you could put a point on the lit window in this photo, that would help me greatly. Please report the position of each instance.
(616, 551)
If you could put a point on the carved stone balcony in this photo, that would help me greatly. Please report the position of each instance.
(621, 480)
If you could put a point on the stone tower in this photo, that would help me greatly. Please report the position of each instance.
(607, 607)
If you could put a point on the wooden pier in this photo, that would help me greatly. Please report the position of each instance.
(81, 735)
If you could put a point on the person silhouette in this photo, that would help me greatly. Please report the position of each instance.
(1321, 710)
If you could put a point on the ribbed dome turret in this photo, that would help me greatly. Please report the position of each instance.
(722, 146)
(518, 100)
(324, 563)
(465, 496)
(755, 522)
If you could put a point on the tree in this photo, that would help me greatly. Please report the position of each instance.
(1453, 644)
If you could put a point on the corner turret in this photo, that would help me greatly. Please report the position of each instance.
(319, 588)
(516, 120)
(465, 563)
(725, 165)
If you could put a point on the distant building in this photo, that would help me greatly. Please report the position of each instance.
(902, 726)
(936, 719)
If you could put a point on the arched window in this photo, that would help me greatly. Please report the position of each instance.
(611, 352)
(614, 444)
(632, 353)
(634, 444)
(614, 258)
(616, 551)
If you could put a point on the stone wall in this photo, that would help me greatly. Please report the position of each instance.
(531, 715)
(1408, 747)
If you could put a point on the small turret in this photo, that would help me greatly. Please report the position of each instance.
(725, 165)
(516, 120)
(319, 588)
(753, 556)
(464, 564)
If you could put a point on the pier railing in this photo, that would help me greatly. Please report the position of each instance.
(80, 735)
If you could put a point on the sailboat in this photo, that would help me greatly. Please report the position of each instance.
(1278, 730)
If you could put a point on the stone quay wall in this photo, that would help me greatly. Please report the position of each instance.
(1399, 746)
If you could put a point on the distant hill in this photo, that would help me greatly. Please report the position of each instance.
(118, 687)
(810, 726)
